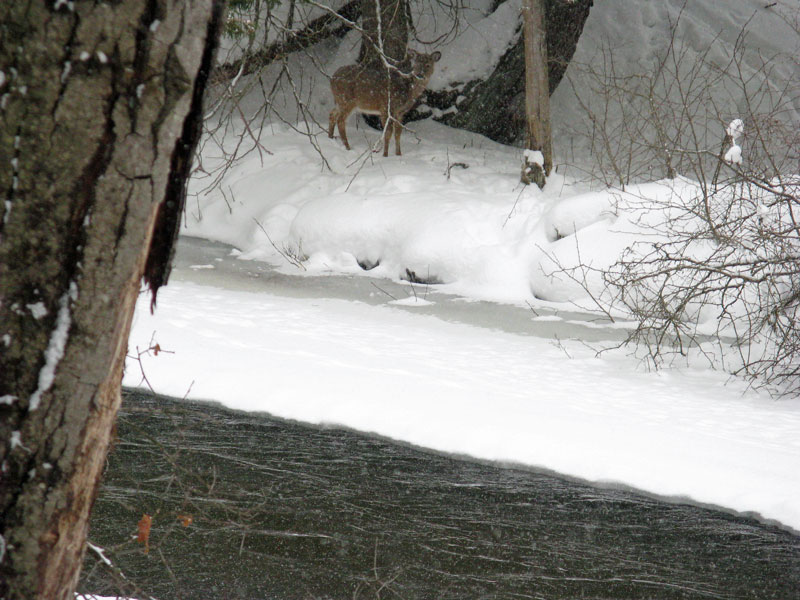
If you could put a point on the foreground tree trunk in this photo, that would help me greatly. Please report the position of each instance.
(99, 115)
(537, 94)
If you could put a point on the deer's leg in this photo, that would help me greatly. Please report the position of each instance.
(382, 120)
(388, 123)
(343, 114)
(332, 121)
(398, 129)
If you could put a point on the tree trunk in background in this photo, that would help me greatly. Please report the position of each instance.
(495, 107)
(537, 93)
(99, 111)
(393, 27)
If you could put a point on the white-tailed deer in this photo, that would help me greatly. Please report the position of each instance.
(373, 91)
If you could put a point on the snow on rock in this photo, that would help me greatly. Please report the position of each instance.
(483, 37)
(474, 228)
(577, 212)
(534, 157)
(637, 32)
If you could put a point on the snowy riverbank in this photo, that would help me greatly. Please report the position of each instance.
(451, 211)
(685, 433)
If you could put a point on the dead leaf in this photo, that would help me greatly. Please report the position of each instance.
(185, 520)
(144, 532)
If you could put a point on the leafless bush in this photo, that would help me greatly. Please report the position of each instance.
(723, 263)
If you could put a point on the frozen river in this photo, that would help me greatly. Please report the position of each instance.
(212, 264)
(282, 510)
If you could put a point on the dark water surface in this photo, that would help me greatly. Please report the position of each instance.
(282, 510)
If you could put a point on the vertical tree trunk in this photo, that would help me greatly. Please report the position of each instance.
(99, 105)
(390, 32)
(537, 96)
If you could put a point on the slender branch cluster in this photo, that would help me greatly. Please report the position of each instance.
(719, 257)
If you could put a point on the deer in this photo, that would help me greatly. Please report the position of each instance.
(373, 91)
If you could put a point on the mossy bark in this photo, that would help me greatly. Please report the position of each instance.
(95, 99)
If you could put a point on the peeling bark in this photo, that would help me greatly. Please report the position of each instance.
(93, 111)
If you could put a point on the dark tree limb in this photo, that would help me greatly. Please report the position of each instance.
(313, 33)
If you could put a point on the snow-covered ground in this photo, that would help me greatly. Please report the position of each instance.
(685, 432)
(477, 392)
(451, 210)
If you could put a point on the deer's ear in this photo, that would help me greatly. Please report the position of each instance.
(436, 56)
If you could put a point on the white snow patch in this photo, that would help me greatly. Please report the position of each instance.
(735, 129)
(100, 553)
(411, 301)
(38, 310)
(16, 441)
(534, 157)
(55, 348)
(67, 69)
(734, 155)
(7, 399)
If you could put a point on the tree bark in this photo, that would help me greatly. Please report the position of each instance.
(495, 107)
(537, 95)
(389, 33)
(98, 112)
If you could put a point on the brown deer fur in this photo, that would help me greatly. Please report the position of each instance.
(371, 90)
